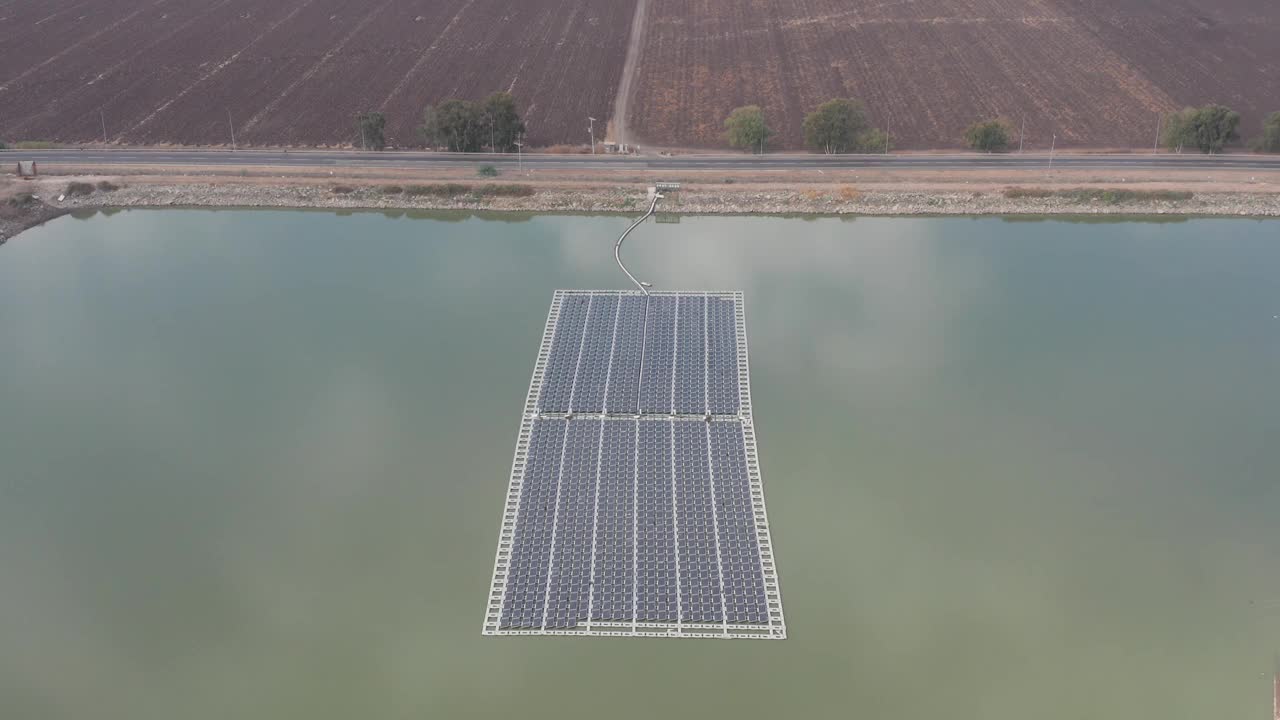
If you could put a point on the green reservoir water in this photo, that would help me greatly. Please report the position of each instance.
(252, 465)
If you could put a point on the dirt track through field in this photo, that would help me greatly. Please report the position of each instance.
(618, 126)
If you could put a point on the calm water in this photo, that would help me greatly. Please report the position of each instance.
(252, 466)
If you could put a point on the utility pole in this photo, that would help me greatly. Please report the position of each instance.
(1053, 145)
(519, 155)
(364, 142)
(103, 118)
(1022, 134)
(1275, 691)
(1155, 147)
(233, 130)
(888, 132)
(592, 129)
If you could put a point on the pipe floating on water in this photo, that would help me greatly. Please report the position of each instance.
(617, 247)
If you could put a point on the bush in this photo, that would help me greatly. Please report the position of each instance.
(1208, 128)
(392, 189)
(875, 140)
(79, 188)
(342, 189)
(107, 186)
(988, 136)
(3, 145)
(487, 171)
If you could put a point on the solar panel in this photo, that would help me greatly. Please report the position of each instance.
(635, 505)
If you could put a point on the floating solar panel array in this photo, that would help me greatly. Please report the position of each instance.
(635, 506)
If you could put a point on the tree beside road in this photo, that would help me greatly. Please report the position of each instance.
(1270, 140)
(468, 126)
(988, 135)
(841, 126)
(1208, 129)
(372, 127)
(745, 128)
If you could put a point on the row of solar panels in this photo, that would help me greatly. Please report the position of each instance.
(632, 354)
(648, 520)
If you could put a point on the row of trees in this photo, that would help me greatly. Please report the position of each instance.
(841, 126)
(835, 127)
(460, 125)
(466, 126)
(1208, 129)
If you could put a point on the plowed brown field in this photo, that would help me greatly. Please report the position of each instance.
(1095, 72)
(297, 71)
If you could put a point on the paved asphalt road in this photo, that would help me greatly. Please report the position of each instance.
(322, 158)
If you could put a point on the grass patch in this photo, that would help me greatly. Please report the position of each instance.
(22, 200)
(504, 190)
(450, 190)
(1119, 196)
(1017, 193)
(34, 145)
(438, 190)
(107, 186)
(487, 171)
(567, 150)
(1105, 196)
(392, 189)
(342, 189)
(79, 188)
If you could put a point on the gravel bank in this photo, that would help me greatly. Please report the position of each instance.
(816, 200)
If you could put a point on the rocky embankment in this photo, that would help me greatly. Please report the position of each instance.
(21, 210)
(697, 199)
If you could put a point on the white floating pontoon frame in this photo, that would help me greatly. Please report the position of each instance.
(775, 629)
